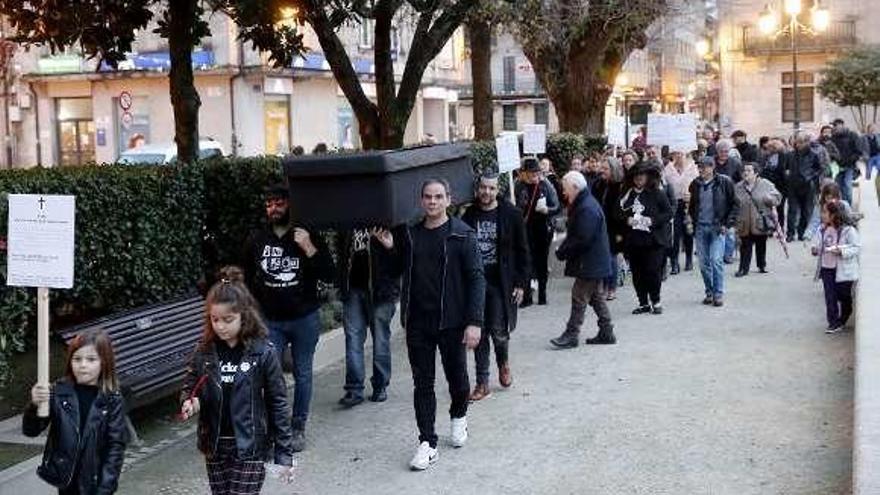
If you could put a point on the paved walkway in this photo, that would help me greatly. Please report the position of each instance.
(749, 399)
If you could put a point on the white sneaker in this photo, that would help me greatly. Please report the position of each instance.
(459, 432)
(425, 456)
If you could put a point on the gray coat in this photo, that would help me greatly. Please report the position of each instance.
(767, 198)
(848, 264)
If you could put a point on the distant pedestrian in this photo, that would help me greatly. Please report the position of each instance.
(714, 208)
(775, 167)
(748, 152)
(588, 260)
(549, 173)
(85, 446)
(852, 150)
(803, 183)
(283, 264)
(501, 237)
(646, 212)
(757, 199)
(872, 138)
(235, 384)
(731, 166)
(607, 192)
(679, 174)
(441, 307)
(837, 248)
(537, 199)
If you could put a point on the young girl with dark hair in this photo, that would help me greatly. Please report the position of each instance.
(86, 443)
(235, 385)
(837, 247)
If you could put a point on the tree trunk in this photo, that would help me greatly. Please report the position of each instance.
(481, 74)
(184, 97)
(581, 108)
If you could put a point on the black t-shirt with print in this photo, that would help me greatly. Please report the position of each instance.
(360, 261)
(229, 359)
(486, 225)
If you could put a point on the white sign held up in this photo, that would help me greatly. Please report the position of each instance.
(40, 253)
(507, 148)
(534, 139)
(678, 131)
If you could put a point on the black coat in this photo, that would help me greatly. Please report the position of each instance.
(514, 261)
(725, 206)
(805, 169)
(527, 196)
(585, 248)
(778, 174)
(384, 269)
(732, 168)
(657, 208)
(259, 409)
(748, 152)
(99, 448)
(850, 146)
(464, 286)
(608, 196)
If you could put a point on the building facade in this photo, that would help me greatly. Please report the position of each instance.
(757, 93)
(65, 110)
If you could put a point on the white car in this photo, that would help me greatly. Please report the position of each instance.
(161, 154)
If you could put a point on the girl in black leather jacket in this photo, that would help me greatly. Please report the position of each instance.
(235, 380)
(86, 442)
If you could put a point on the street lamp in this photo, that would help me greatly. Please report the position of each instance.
(768, 23)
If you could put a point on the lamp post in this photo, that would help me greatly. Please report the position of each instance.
(768, 23)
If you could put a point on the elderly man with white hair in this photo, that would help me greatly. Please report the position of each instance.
(588, 259)
(726, 164)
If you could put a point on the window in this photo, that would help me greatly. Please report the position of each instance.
(76, 131)
(509, 74)
(276, 118)
(365, 37)
(509, 117)
(542, 111)
(806, 91)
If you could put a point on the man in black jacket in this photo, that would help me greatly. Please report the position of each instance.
(803, 184)
(714, 209)
(851, 149)
(774, 167)
(501, 236)
(441, 307)
(537, 199)
(283, 264)
(369, 282)
(588, 259)
(748, 152)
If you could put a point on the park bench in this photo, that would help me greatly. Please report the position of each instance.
(153, 345)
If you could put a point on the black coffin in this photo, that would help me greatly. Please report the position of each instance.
(374, 188)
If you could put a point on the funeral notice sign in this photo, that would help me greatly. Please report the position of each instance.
(41, 241)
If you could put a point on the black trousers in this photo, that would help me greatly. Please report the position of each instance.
(422, 342)
(646, 264)
(780, 212)
(681, 237)
(801, 201)
(838, 298)
(745, 251)
(540, 239)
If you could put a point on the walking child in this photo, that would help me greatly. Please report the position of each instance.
(235, 384)
(837, 247)
(86, 443)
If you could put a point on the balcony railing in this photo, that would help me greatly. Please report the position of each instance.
(839, 35)
(501, 89)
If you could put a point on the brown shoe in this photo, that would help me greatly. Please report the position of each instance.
(481, 391)
(504, 376)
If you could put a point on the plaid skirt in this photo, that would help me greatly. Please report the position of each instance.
(228, 475)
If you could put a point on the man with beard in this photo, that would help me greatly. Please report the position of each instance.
(283, 264)
(748, 152)
(501, 237)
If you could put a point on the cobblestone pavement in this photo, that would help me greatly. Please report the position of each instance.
(749, 399)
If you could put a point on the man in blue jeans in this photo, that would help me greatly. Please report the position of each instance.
(370, 286)
(714, 208)
(852, 150)
(283, 264)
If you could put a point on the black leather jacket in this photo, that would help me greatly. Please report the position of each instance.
(384, 269)
(99, 448)
(259, 409)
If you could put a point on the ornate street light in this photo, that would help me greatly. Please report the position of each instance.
(768, 23)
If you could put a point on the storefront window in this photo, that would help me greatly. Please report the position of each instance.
(276, 112)
(76, 131)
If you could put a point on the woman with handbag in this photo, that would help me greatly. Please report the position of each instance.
(757, 221)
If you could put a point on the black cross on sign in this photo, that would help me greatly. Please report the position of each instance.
(42, 202)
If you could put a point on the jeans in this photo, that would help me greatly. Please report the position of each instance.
(845, 181)
(422, 343)
(710, 249)
(358, 312)
(585, 292)
(729, 244)
(646, 264)
(495, 328)
(745, 252)
(873, 163)
(838, 298)
(302, 335)
(801, 202)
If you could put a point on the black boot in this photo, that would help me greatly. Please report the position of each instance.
(689, 264)
(604, 337)
(675, 270)
(567, 340)
(542, 293)
(527, 298)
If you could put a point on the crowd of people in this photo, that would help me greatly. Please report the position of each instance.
(459, 284)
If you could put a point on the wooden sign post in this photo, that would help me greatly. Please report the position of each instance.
(40, 254)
